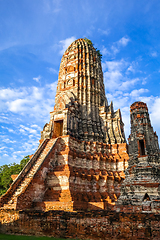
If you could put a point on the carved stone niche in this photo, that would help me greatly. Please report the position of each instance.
(146, 204)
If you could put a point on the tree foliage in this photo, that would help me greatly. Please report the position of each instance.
(90, 43)
(7, 170)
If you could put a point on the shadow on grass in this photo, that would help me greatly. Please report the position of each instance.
(22, 237)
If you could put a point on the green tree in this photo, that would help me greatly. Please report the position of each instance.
(88, 41)
(98, 51)
(7, 170)
(99, 54)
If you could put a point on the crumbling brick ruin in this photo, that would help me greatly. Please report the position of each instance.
(140, 190)
(82, 160)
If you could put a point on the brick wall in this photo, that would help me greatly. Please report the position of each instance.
(82, 225)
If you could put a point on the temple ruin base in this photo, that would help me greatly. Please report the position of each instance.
(82, 225)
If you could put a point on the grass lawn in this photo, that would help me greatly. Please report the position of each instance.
(20, 237)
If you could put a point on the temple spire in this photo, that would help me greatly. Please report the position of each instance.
(80, 103)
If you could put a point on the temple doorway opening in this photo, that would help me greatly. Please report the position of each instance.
(58, 128)
(142, 150)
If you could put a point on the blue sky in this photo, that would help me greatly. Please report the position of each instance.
(33, 37)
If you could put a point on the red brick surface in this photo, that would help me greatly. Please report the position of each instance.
(82, 225)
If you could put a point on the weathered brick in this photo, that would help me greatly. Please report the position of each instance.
(70, 186)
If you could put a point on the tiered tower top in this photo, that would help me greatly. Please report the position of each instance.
(80, 76)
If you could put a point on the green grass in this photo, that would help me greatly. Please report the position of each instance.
(20, 237)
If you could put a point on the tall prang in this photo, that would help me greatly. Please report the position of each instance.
(81, 109)
(82, 156)
(140, 190)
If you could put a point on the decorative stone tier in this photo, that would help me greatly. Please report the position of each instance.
(71, 175)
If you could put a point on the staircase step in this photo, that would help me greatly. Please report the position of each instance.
(33, 170)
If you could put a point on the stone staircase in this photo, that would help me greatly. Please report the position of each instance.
(11, 204)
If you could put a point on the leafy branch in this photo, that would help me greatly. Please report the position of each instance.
(97, 51)
(99, 54)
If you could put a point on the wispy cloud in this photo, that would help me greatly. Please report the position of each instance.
(65, 43)
(113, 74)
(137, 92)
(37, 78)
(119, 75)
(116, 46)
(9, 129)
(31, 101)
(52, 70)
(104, 32)
(155, 114)
(8, 93)
(133, 67)
(7, 140)
(28, 129)
(123, 42)
(53, 6)
(154, 54)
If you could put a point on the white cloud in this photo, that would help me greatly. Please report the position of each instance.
(149, 100)
(9, 129)
(36, 126)
(104, 32)
(18, 105)
(154, 54)
(22, 131)
(112, 79)
(5, 155)
(53, 6)
(53, 86)
(105, 51)
(2, 148)
(131, 69)
(115, 50)
(65, 44)
(115, 65)
(117, 76)
(5, 119)
(52, 70)
(138, 92)
(30, 130)
(123, 41)
(37, 78)
(7, 93)
(129, 83)
(154, 107)
(8, 44)
(31, 101)
(116, 46)
(114, 76)
(7, 140)
(37, 93)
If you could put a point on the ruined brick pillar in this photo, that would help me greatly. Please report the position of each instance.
(140, 190)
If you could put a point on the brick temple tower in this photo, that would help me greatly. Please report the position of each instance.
(81, 109)
(140, 190)
(82, 155)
